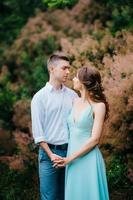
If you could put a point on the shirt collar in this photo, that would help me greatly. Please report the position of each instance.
(51, 88)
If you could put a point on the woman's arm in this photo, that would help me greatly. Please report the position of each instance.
(99, 116)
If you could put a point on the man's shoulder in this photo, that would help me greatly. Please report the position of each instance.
(71, 92)
(39, 94)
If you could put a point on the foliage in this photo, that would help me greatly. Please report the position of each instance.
(16, 184)
(13, 15)
(119, 77)
(7, 100)
(59, 3)
(37, 76)
(117, 173)
(121, 14)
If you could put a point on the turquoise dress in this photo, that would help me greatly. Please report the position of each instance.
(85, 177)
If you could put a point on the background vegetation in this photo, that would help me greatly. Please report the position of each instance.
(92, 32)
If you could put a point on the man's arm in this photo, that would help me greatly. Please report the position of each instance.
(37, 117)
(51, 155)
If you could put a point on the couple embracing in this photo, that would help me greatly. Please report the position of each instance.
(67, 129)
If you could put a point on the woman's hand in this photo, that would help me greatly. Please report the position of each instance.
(61, 163)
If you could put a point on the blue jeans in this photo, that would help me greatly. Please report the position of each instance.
(51, 179)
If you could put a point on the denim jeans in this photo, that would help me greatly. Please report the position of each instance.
(51, 179)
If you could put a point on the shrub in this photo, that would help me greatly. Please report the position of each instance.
(20, 185)
(59, 3)
(7, 99)
(117, 173)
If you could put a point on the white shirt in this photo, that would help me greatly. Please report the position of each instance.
(49, 111)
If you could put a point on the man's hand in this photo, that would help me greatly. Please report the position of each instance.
(54, 158)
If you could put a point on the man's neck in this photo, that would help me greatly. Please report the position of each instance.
(56, 84)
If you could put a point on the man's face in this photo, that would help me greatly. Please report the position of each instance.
(61, 71)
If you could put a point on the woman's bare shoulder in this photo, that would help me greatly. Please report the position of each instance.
(99, 107)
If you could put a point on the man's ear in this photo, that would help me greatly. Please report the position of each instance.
(51, 68)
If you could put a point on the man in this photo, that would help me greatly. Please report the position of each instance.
(50, 107)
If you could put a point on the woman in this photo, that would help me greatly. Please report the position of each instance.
(85, 171)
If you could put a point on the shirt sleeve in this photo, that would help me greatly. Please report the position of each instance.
(37, 118)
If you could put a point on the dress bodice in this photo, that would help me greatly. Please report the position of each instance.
(84, 123)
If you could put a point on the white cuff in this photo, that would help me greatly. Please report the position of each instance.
(39, 139)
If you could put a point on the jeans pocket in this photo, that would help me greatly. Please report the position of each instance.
(43, 156)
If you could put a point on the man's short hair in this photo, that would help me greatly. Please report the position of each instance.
(54, 58)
